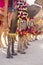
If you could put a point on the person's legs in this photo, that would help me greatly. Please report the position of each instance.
(9, 50)
(13, 50)
(12, 46)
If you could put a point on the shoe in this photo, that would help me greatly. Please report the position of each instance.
(9, 56)
(18, 51)
(14, 54)
(23, 52)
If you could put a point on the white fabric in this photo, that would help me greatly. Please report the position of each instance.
(3, 40)
(40, 37)
(15, 45)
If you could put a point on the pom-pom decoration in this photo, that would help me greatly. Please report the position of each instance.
(22, 14)
(22, 10)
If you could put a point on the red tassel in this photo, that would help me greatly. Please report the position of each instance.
(0, 23)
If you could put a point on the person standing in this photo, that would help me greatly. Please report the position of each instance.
(12, 29)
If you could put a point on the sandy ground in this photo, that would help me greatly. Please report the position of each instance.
(33, 56)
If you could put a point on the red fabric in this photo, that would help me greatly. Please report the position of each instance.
(24, 18)
(0, 23)
(33, 31)
(23, 32)
(38, 32)
(17, 31)
(2, 3)
(26, 28)
(31, 18)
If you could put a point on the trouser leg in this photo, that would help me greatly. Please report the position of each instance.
(9, 48)
(19, 47)
(12, 46)
(13, 50)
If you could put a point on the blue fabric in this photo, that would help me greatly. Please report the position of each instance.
(11, 3)
(10, 8)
